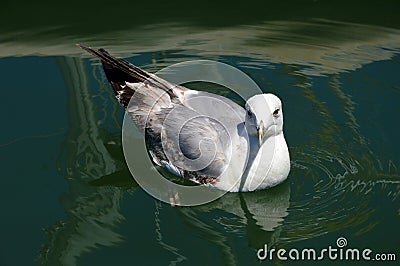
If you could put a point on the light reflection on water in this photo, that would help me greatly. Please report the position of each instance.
(336, 177)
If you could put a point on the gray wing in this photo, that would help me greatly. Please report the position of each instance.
(201, 133)
(195, 143)
(186, 130)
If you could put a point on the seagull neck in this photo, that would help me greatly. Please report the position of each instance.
(270, 141)
(261, 158)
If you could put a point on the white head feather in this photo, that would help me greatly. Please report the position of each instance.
(264, 116)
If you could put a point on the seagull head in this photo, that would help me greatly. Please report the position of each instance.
(264, 117)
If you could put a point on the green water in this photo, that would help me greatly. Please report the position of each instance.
(67, 197)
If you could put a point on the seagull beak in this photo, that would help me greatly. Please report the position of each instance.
(260, 133)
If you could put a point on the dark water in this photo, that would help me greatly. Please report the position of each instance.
(67, 197)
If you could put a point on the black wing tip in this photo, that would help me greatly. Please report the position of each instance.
(91, 50)
(101, 50)
(116, 69)
(86, 48)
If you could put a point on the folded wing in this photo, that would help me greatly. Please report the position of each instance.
(179, 131)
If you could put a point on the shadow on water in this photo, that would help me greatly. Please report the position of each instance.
(335, 173)
(92, 209)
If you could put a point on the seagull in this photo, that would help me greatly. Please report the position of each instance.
(204, 137)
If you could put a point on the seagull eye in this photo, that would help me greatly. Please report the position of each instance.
(276, 112)
(249, 113)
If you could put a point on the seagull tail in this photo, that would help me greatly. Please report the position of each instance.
(117, 69)
(119, 72)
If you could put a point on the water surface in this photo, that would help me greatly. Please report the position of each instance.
(68, 197)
